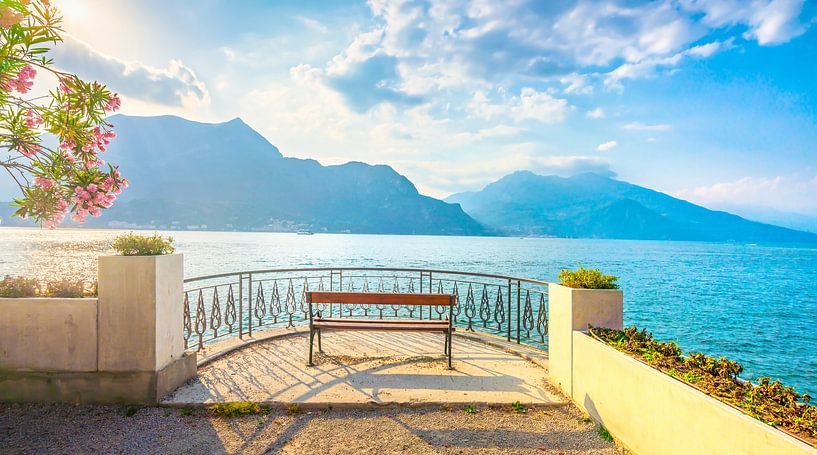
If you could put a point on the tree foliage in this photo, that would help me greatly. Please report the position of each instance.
(69, 177)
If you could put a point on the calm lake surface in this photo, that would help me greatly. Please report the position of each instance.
(756, 304)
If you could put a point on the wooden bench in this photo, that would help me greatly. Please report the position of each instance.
(318, 324)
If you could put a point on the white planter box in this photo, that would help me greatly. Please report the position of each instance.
(572, 309)
(653, 413)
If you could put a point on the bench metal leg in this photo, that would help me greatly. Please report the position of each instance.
(449, 351)
(311, 338)
(320, 349)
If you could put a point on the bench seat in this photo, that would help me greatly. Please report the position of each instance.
(318, 324)
(381, 326)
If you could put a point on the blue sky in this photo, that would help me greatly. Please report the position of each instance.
(712, 101)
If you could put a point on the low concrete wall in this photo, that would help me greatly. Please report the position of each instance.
(652, 413)
(126, 346)
(48, 334)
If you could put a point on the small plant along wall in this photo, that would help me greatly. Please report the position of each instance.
(583, 278)
(21, 287)
(143, 245)
(768, 401)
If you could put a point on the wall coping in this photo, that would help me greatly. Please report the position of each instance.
(49, 299)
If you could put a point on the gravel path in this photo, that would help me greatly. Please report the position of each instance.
(66, 429)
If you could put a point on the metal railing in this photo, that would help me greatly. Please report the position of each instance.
(236, 304)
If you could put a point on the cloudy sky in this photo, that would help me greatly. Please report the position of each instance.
(711, 100)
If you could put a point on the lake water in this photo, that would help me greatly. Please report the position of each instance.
(756, 304)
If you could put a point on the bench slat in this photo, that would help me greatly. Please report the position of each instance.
(384, 321)
(379, 298)
(381, 327)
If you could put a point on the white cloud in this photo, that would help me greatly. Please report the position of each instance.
(788, 193)
(770, 22)
(579, 84)
(607, 146)
(638, 126)
(650, 67)
(312, 24)
(175, 85)
(530, 104)
(597, 113)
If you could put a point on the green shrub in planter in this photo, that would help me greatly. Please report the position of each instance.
(583, 278)
(19, 287)
(143, 245)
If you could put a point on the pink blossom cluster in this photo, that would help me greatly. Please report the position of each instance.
(56, 217)
(91, 198)
(29, 149)
(97, 142)
(64, 86)
(44, 182)
(113, 104)
(23, 82)
(32, 119)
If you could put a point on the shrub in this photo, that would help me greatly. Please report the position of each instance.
(66, 289)
(518, 407)
(605, 434)
(583, 278)
(20, 287)
(239, 408)
(17, 287)
(131, 244)
(768, 401)
(470, 409)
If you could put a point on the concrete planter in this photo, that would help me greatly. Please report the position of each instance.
(572, 309)
(653, 413)
(126, 346)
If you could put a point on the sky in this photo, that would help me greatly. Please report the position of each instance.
(714, 101)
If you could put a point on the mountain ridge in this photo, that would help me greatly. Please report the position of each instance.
(227, 176)
(595, 206)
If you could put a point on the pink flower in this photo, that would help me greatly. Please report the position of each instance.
(43, 182)
(64, 86)
(29, 149)
(32, 120)
(23, 82)
(91, 188)
(113, 103)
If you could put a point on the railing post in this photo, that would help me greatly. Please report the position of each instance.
(510, 315)
(249, 305)
(241, 306)
(518, 310)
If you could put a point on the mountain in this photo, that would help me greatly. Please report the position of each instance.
(593, 206)
(768, 215)
(186, 174)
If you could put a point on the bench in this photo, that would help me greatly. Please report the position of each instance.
(318, 324)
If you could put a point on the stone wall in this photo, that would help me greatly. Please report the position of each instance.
(126, 346)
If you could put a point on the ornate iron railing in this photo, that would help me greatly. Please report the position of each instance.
(236, 304)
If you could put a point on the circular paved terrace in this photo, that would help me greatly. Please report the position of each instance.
(360, 368)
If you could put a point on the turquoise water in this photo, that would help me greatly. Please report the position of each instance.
(756, 304)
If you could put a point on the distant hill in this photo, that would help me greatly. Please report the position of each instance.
(593, 206)
(186, 175)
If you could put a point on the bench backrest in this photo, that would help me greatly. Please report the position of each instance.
(380, 298)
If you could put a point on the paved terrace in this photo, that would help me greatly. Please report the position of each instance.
(359, 368)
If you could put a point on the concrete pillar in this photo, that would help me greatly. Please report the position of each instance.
(572, 309)
(140, 325)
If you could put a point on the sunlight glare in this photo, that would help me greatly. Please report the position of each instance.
(73, 10)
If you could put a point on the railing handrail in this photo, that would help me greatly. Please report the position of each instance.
(368, 269)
